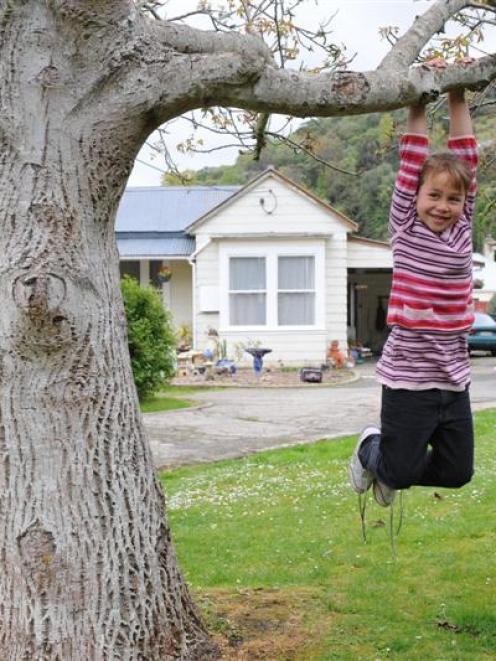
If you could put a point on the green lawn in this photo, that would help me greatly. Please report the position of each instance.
(170, 398)
(272, 548)
(163, 403)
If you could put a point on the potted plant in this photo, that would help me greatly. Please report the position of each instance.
(184, 337)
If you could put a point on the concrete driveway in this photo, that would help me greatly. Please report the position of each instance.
(234, 422)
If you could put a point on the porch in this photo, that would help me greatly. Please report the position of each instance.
(177, 292)
(368, 296)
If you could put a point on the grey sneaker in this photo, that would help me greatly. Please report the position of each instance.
(360, 478)
(384, 495)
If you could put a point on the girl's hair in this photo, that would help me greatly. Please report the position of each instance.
(446, 162)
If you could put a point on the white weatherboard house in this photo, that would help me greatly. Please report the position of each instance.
(268, 262)
(485, 270)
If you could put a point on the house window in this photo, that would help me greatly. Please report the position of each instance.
(247, 291)
(296, 291)
(272, 286)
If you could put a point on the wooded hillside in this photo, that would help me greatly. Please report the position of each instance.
(366, 147)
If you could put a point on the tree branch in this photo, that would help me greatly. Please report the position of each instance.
(406, 50)
(260, 133)
(171, 68)
(185, 39)
(182, 17)
(298, 147)
(490, 6)
(345, 93)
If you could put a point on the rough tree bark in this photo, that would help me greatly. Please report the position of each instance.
(87, 566)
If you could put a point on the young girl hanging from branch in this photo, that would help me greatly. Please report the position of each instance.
(426, 434)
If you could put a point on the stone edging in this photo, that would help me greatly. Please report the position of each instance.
(212, 384)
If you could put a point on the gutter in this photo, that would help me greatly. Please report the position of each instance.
(192, 262)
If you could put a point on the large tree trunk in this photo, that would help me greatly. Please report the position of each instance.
(87, 566)
(88, 571)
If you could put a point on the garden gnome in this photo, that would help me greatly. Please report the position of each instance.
(335, 355)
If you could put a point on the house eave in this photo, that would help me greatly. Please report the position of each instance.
(154, 258)
(373, 242)
(271, 235)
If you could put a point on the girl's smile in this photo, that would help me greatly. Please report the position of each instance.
(439, 202)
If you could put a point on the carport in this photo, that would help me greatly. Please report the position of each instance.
(370, 265)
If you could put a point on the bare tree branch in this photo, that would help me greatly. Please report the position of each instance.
(490, 6)
(244, 74)
(299, 147)
(182, 17)
(276, 136)
(340, 93)
(260, 133)
(210, 150)
(408, 47)
(186, 39)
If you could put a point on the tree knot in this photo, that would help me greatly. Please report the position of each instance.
(350, 86)
(37, 549)
(48, 77)
(39, 293)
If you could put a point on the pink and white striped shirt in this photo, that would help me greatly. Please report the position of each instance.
(430, 308)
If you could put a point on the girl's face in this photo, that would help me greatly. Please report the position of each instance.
(439, 202)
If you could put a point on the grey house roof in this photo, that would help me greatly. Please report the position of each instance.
(158, 246)
(151, 221)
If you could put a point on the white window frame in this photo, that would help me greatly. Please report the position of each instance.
(271, 253)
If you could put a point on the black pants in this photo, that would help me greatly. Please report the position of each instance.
(426, 439)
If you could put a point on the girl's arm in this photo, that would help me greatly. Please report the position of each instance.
(462, 142)
(414, 149)
(417, 122)
(459, 113)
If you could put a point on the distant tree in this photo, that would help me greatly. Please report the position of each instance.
(364, 148)
(151, 337)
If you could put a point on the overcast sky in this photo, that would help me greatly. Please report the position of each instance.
(355, 25)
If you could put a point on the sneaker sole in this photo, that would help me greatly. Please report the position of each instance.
(379, 497)
(365, 432)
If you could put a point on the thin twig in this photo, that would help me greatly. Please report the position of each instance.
(200, 125)
(196, 150)
(299, 147)
(477, 5)
(152, 11)
(262, 123)
(189, 14)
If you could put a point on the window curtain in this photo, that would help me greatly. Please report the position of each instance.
(246, 273)
(247, 309)
(296, 307)
(296, 272)
(247, 305)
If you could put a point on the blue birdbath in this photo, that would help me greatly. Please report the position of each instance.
(258, 354)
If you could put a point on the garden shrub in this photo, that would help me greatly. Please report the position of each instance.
(151, 337)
